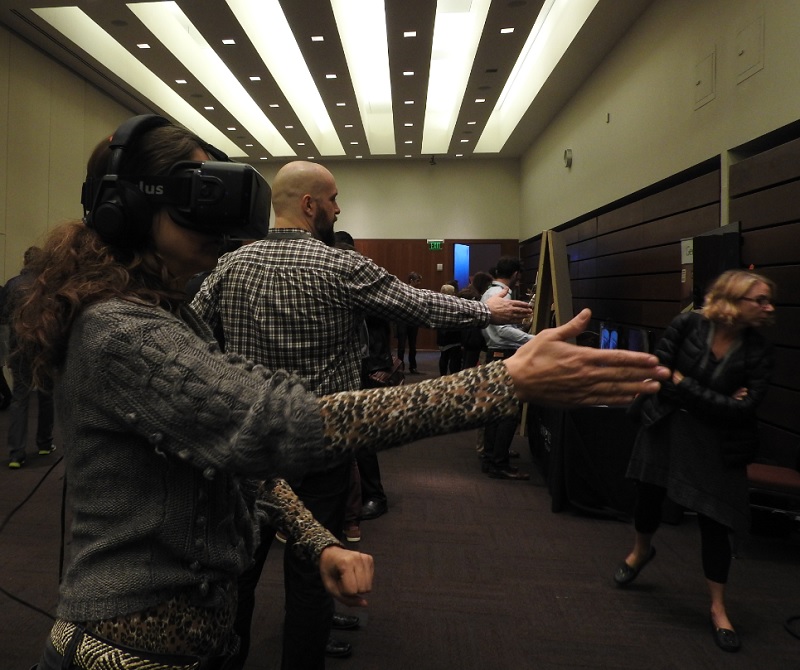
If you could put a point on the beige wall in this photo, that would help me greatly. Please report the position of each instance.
(405, 199)
(647, 86)
(50, 120)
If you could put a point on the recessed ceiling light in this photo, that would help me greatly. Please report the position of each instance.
(248, 145)
(410, 33)
(143, 46)
(408, 155)
(341, 104)
(274, 105)
(359, 157)
(228, 41)
(209, 108)
(263, 158)
(348, 125)
(180, 81)
(408, 73)
(255, 78)
(317, 38)
(409, 102)
(409, 141)
(231, 128)
(408, 125)
(480, 99)
(289, 127)
(471, 123)
(301, 144)
(506, 31)
(459, 155)
(330, 76)
(462, 141)
(353, 142)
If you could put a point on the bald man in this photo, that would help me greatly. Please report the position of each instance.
(292, 301)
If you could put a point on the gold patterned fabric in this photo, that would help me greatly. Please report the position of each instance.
(92, 653)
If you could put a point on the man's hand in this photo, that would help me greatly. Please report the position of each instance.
(507, 311)
(346, 574)
(549, 371)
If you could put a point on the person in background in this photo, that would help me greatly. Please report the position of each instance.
(502, 342)
(20, 367)
(449, 342)
(699, 432)
(163, 432)
(407, 332)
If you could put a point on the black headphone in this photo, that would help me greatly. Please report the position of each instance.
(216, 197)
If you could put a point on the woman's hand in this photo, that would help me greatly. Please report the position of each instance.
(739, 394)
(550, 371)
(346, 574)
(677, 377)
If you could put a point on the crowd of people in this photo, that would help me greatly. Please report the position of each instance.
(195, 428)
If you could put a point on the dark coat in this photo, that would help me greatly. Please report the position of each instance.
(706, 391)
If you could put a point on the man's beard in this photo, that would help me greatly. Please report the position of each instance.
(324, 230)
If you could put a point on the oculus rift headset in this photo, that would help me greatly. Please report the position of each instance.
(216, 197)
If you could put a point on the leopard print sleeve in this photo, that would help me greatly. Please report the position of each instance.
(382, 418)
(286, 512)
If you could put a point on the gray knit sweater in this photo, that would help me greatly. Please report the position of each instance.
(154, 421)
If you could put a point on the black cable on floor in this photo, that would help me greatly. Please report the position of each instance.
(8, 518)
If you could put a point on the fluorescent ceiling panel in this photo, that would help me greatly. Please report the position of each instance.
(456, 35)
(76, 26)
(174, 30)
(556, 27)
(266, 26)
(362, 29)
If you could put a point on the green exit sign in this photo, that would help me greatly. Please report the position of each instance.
(435, 245)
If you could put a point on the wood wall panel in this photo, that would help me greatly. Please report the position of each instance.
(772, 246)
(663, 231)
(780, 204)
(780, 408)
(400, 257)
(656, 260)
(787, 363)
(765, 169)
(691, 194)
(778, 446)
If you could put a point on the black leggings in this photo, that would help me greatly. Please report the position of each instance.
(715, 546)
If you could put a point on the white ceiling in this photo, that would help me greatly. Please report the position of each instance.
(275, 123)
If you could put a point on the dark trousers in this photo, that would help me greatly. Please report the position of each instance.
(18, 420)
(407, 334)
(248, 581)
(370, 472)
(499, 435)
(715, 546)
(450, 361)
(309, 608)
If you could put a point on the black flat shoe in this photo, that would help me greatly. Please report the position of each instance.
(726, 639)
(338, 648)
(625, 574)
(344, 621)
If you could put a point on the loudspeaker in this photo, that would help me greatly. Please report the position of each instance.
(217, 197)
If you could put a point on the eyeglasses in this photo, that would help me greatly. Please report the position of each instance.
(761, 301)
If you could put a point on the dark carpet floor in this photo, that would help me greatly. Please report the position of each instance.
(471, 573)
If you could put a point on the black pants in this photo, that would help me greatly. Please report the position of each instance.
(715, 546)
(309, 608)
(248, 581)
(370, 472)
(407, 334)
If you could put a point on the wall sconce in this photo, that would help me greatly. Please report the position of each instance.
(568, 158)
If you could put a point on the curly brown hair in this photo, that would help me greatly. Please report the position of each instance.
(76, 268)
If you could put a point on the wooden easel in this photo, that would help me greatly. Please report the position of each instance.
(553, 289)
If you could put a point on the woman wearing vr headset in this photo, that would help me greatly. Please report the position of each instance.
(161, 429)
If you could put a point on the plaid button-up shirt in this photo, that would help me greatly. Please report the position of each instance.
(291, 302)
